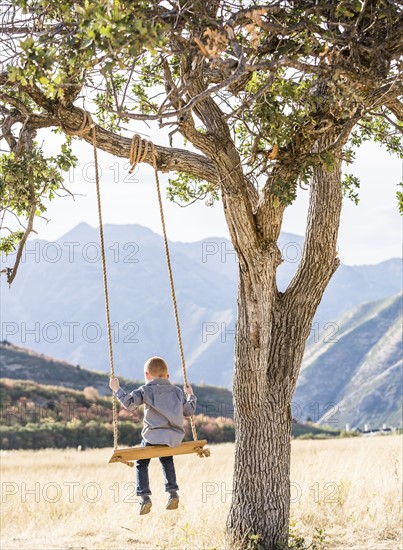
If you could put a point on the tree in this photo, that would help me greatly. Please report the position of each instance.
(271, 95)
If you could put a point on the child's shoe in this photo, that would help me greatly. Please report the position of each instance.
(173, 501)
(145, 506)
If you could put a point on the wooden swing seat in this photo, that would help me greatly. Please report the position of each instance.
(156, 451)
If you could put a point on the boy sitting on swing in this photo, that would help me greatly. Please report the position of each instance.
(165, 405)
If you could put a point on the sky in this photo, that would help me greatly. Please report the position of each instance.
(369, 233)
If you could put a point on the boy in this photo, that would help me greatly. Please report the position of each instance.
(164, 408)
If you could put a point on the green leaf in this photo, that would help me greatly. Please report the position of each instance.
(399, 195)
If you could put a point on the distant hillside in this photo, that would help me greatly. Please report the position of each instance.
(24, 364)
(56, 304)
(35, 416)
(71, 406)
(357, 374)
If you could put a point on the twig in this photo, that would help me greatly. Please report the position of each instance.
(12, 272)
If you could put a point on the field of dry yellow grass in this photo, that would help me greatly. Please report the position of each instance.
(350, 488)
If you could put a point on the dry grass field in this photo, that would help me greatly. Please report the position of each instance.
(75, 500)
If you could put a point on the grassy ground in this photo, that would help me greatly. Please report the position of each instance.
(73, 500)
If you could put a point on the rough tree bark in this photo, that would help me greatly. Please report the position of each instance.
(272, 329)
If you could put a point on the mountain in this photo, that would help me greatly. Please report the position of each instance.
(356, 376)
(56, 304)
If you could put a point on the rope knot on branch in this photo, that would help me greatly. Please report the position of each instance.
(87, 125)
(139, 150)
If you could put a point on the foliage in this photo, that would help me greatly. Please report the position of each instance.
(349, 434)
(312, 431)
(91, 434)
(376, 127)
(9, 243)
(187, 190)
(29, 180)
(73, 36)
(284, 76)
(60, 435)
(351, 184)
(399, 196)
(253, 542)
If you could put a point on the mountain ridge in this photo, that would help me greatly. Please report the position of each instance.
(57, 307)
(360, 374)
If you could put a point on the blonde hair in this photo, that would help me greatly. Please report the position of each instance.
(156, 367)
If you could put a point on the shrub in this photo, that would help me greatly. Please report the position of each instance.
(91, 393)
(60, 435)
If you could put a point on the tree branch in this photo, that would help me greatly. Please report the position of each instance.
(168, 159)
(240, 197)
(25, 143)
(388, 94)
(319, 258)
(12, 273)
(396, 107)
(186, 108)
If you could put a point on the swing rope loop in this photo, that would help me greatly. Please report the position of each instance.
(139, 150)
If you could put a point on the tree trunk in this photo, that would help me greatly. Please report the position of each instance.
(272, 329)
(261, 490)
(269, 347)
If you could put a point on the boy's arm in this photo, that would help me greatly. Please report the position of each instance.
(130, 400)
(189, 405)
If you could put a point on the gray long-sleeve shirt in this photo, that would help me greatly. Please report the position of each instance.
(165, 405)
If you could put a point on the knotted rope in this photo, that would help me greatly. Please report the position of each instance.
(139, 150)
(88, 126)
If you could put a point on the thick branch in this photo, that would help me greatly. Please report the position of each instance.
(240, 197)
(396, 107)
(169, 159)
(388, 95)
(270, 213)
(319, 258)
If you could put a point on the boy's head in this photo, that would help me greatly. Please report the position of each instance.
(155, 367)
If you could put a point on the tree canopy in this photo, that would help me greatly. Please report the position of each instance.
(269, 78)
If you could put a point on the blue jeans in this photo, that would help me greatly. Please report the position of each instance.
(142, 481)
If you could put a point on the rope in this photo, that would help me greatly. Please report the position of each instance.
(138, 152)
(86, 127)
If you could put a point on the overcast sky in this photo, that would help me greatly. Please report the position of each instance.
(369, 233)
